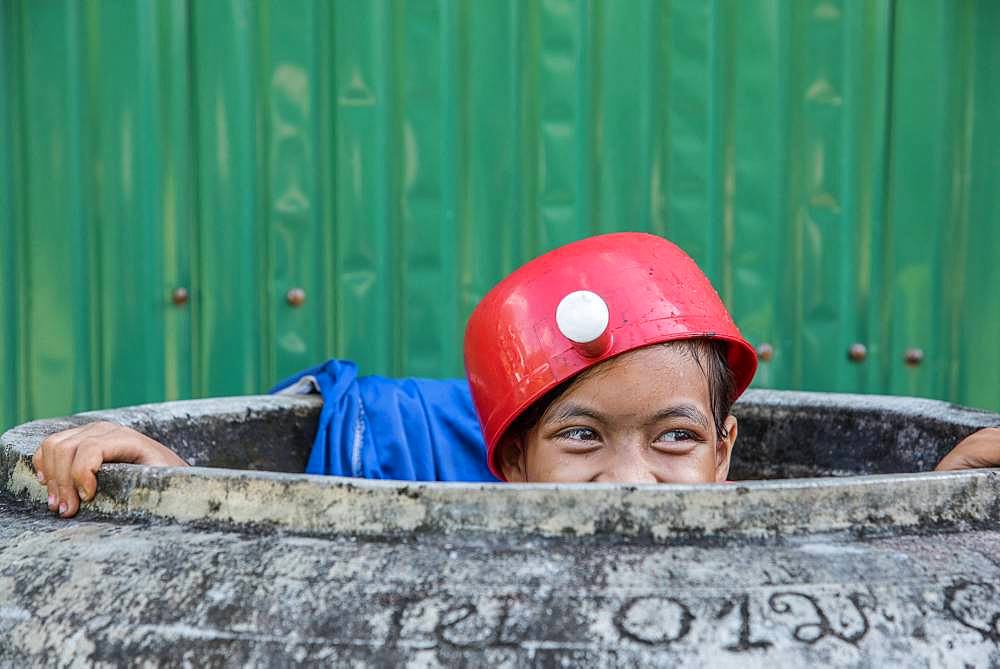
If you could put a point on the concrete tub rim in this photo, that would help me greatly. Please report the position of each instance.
(323, 505)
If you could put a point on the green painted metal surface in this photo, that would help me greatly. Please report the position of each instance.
(833, 165)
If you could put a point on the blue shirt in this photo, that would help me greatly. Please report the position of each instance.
(405, 429)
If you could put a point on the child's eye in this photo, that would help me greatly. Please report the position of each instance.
(677, 435)
(579, 434)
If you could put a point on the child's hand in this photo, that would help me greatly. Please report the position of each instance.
(67, 461)
(980, 449)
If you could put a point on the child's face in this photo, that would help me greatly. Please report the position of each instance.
(642, 417)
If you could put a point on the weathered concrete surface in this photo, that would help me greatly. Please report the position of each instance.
(86, 592)
(207, 566)
(330, 505)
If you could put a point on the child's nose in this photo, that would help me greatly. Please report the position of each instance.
(628, 469)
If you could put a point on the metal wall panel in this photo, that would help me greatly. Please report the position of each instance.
(831, 164)
(12, 404)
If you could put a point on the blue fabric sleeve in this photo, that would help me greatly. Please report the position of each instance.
(404, 429)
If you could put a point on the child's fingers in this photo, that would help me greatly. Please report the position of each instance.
(68, 461)
(40, 459)
(69, 501)
(53, 494)
(89, 458)
(60, 465)
(45, 465)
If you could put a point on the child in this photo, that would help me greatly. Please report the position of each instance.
(611, 359)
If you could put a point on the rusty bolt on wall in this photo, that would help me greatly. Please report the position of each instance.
(857, 352)
(914, 356)
(765, 352)
(296, 297)
(179, 296)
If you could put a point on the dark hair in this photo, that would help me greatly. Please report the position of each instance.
(710, 354)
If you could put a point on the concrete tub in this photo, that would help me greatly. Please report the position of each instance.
(860, 560)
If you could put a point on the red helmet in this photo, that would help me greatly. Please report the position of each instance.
(579, 305)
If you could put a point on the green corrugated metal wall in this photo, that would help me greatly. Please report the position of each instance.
(833, 166)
